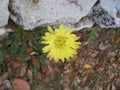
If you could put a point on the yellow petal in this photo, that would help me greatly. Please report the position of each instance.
(46, 49)
(50, 29)
(61, 26)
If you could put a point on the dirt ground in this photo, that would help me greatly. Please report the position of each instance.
(95, 67)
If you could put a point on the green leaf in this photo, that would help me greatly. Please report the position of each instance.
(1, 52)
(91, 36)
(3, 66)
(15, 48)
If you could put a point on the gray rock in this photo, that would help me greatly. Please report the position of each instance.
(85, 22)
(4, 13)
(107, 13)
(32, 13)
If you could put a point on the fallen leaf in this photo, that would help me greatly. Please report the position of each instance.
(33, 53)
(113, 87)
(66, 85)
(16, 65)
(23, 70)
(102, 46)
(7, 84)
(114, 65)
(87, 66)
(94, 55)
(19, 84)
(108, 87)
(118, 41)
(100, 69)
(85, 71)
(35, 62)
(12, 66)
(57, 69)
(84, 83)
(75, 57)
(39, 76)
(3, 36)
(98, 87)
(96, 35)
(30, 74)
(91, 63)
(29, 50)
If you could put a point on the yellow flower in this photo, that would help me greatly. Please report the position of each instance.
(60, 43)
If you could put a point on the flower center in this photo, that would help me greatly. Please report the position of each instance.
(60, 41)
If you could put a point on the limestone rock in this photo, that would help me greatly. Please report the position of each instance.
(31, 14)
(85, 22)
(4, 13)
(4, 30)
(107, 13)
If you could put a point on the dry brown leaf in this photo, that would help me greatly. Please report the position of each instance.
(66, 85)
(102, 46)
(85, 83)
(91, 63)
(100, 69)
(15, 65)
(85, 71)
(35, 62)
(23, 70)
(19, 84)
(30, 74)
(108, 87)
(87, 66)
(118, 41)
(39, 76)
(12, 66)
(34, 53)
(94, 55)
(75, 57)
(96, 35)
(113, 87)
(29, 50)
(57, 69)
(114, 65)
(98, 87)
(17, 57)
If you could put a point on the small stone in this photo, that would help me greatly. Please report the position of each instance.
(19, 84)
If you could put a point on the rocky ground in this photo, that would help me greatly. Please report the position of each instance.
(23, 66)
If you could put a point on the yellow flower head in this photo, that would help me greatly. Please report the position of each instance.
(60, 43)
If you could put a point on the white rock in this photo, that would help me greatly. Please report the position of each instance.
(107, 13)
(4, 30)
(4, 13)
(30, 14)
